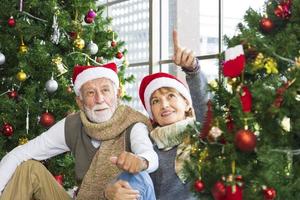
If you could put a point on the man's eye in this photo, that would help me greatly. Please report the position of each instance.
(90, 93)
(106, 90)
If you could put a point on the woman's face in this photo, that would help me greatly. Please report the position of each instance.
(168, 106)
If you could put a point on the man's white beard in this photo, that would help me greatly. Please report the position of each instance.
(100, 116)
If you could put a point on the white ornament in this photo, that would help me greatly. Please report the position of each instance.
(92, 47)
(286, 124)
(2, 58)
(51, 85)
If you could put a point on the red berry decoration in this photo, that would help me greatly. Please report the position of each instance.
(7, 129)
(119, 55)
(59, 179)
(269, 193)
(13, 94)
(266, 24)
(283, 10)
(199, 185)
(219, 190)
(113, 43)
(11, 21)
(73, 35)
(47, 119)
(245, 140)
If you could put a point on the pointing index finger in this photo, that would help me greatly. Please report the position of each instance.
(175, 40)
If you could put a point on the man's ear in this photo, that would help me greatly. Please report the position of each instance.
(79, 102)
(119, 92)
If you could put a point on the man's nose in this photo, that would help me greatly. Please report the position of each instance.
(99, 98)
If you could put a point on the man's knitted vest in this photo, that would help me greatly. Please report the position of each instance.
(81, 146)
(166, 183)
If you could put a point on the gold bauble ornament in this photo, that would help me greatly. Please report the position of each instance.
(23, 48)
(79, 43)
(23, 140)
(213, 84)
(21, 76)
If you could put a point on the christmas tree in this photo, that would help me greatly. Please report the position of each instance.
(249, 145)
(40, 43)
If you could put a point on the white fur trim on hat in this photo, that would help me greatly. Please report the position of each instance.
(94, 73)
(164, 82)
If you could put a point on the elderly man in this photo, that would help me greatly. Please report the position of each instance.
(100, 136)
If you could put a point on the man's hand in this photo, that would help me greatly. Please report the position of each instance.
(121, 190)
(130, 162)
(183, 57)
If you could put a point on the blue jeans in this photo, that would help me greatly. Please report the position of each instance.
(141, 182)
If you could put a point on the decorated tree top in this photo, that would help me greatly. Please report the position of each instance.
(40, 43)
(248, 147)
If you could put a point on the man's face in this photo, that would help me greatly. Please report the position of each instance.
(98, 99)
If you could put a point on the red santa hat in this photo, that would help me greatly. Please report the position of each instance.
(234, 61)
(155, 81)
(82, 74)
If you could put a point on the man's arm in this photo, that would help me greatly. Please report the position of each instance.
(49, 144)
(142, 157)
(142, 146)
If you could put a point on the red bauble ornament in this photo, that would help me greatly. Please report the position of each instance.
(245, 140)
(269, 193)
(11, 21)
(47, 119)
(119, 55)
(233, 193)
(113, 43)
(13, 94)
(69, 89)
(7, 129)
(199, 185)
(266, 24)
(88, 20)
(59, 179)
(218, 191)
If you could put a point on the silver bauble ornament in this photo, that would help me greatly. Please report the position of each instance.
(92, 48)
(2, 58)
(51, 85)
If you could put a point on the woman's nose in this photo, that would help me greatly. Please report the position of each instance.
(164, 103)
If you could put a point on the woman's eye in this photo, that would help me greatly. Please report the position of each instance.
(171, 95)
(154, 101)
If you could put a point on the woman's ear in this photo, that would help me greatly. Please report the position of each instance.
(187, 105)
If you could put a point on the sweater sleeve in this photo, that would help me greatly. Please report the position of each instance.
(141, 145)
(48, 144)
(197, 83)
